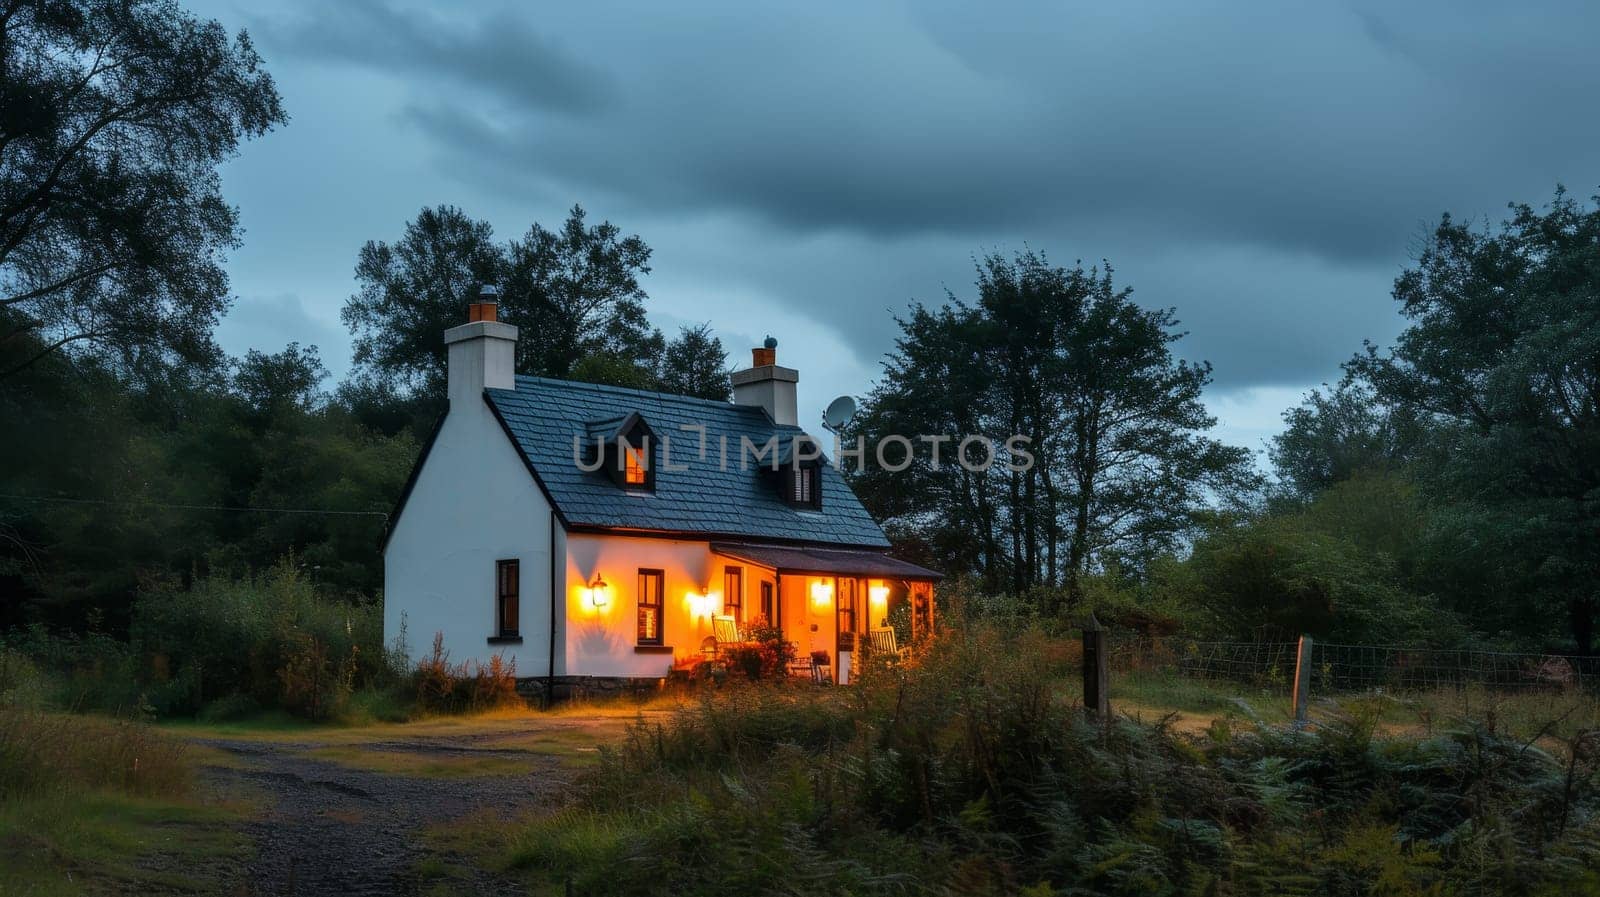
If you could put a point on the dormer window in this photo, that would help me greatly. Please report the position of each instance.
(797, 467)
(802, 486)
(624, 448)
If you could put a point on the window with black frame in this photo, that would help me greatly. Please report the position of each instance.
(507, 598)
(651, 620)
(733, 592)
(803, 487)
(768, 611)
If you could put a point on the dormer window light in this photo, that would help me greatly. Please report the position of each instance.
(636, 470)
(624, 448)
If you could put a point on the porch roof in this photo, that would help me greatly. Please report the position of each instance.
(824, 561)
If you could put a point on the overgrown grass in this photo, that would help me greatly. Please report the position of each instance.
(970, 772)
(43, 752)
(101, 842)
(91, 805)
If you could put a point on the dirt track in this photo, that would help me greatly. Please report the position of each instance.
(329, 829)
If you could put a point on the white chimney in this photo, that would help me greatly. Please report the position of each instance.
(482, 352)
(767, 385)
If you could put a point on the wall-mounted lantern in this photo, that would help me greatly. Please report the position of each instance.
(596, 593)
(879, 593)
(701, 604)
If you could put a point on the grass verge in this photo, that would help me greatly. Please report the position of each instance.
(94, 805)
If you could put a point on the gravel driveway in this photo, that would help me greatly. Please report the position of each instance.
(332, 829)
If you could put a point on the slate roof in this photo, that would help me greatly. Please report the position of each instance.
(542, 416)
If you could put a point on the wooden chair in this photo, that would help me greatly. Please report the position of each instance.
(725, 630)
(886, 646)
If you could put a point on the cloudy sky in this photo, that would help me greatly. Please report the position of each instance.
(807, 170)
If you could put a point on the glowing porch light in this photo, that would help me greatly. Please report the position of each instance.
(822, 592)
(595, 593)
(879, 593)
(701, 604)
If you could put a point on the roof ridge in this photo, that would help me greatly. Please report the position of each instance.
(640, 393)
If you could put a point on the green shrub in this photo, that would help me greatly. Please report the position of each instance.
(270, 638)
(85, 672)
(229, 709)
(378, 705)
(22, 684)
(468, 687)
(765, 654)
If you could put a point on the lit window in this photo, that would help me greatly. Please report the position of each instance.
(650, 591)
(634, 473)
(733, 592)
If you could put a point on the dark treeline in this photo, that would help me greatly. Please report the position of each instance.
(1446, 490)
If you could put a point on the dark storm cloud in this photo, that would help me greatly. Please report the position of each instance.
(498, 51)
(1263, 167)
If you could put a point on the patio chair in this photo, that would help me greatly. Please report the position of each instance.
(885, 645)
(725, 630)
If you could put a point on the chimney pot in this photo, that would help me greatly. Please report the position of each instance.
(487, 308)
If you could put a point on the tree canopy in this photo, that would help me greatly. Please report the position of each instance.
(1501, 359)
(114, 115)
(1100, 427)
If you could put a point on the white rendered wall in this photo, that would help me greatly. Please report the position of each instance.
(601, 641)
(474, 503)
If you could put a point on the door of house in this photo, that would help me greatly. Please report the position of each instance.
(847, 593)
(769, 610)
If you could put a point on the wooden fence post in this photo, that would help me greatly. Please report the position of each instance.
(1096, 671)
(1302, 681)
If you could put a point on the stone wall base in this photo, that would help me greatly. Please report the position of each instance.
(543, 692)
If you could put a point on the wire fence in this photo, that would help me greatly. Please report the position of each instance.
(1349, 669)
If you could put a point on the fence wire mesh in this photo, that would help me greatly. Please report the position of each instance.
(1345, 669)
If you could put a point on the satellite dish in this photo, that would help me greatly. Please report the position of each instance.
(839, 413)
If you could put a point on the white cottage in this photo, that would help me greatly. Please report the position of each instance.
(601, 536)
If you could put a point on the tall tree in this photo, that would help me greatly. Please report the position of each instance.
(576, 290)
(1106, 462)
(114, 115)
(1502, 358)
(1140, 473)
(412, 291)
(573, 292)
(937, 382)
(695, 364)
